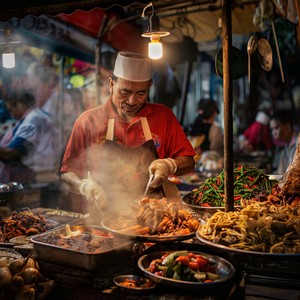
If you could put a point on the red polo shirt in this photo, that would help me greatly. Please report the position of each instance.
(90, 130)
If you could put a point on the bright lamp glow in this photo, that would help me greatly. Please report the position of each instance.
(8, 60)
(155, 50)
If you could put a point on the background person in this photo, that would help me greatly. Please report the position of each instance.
(285, 138)
(257, 137)
(206, 136)
(120, 142)
(32, 145)
(206, 126)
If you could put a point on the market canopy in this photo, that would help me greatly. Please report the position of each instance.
(75, 28)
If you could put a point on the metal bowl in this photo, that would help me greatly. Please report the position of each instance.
(223, 268)
(10, 187)
(134, 284)
(203, 212)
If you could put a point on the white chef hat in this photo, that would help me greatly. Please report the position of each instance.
(133, 66)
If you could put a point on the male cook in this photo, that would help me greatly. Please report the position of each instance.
(115, 147)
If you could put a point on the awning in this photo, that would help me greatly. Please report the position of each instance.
(75, 28)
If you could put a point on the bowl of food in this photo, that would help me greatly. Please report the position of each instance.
(250, 183)
(186, 269)
(134, 284)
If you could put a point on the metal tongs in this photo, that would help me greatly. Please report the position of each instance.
(148, 184)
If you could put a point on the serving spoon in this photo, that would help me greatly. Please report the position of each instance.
(251, 48)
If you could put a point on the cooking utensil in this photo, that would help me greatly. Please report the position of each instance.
(265, 54)
(251, 48)
(278, 53)
(151, 177)
(223, 268)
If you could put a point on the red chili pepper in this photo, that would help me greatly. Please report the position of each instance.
(208, 280)
(184, 260)
(237, 198)
(202, 263)
(152, 266)
(218, 181)
(250, 178)
(214, 186)
(206, 204)
(193, 265)
(191, 255)
(246, 186)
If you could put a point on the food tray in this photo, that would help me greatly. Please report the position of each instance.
(118, 249)
(60, 216)
(107, 223)
(257, 261)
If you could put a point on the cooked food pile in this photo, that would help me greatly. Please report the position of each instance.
(152, 216)
(82, 241)
(21, 279)
(259, 226)
(142, 283)
(24, 223)
(186, 266)
(249, 182)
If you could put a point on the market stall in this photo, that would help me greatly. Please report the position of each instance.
(230, 252)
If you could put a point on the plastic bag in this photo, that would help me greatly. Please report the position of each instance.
(290, 182)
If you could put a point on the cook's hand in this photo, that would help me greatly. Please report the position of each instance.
(93, 192)
(162, 169)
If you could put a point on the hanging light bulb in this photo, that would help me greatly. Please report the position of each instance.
(8, 56)
(155, 49)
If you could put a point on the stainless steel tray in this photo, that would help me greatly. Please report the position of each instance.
(107, 223)
(118, 250)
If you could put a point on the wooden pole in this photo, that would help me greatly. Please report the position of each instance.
(227, 94)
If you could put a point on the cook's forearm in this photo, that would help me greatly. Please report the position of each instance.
(185, 164)
(72, 180)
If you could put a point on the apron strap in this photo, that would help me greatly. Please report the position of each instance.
(146, 129)
(111, 126)
(110, 130)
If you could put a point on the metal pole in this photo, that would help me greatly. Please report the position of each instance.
(62, 99)
(186, 83)
(227, 93)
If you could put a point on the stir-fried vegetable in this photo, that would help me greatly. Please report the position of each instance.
(184, 265)
(248, 183)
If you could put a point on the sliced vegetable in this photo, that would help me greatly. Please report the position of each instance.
(184, 265)
(170, 258)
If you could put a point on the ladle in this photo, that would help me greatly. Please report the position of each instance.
(265, 54)
(251, 48)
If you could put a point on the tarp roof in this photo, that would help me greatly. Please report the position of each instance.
(73, 27)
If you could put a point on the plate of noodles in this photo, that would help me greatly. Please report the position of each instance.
(258, 228)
